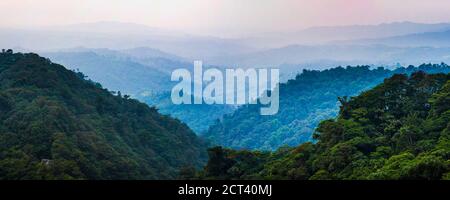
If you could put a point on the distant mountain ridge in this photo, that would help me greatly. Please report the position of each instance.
(326, 34)
(348, 54)
(114, 73)
(118, 35)
(109, 27)
(428, 39)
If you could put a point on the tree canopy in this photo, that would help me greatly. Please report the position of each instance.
(398, 130)
(54, 124)
(304, 102)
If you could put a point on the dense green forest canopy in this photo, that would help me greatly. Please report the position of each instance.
(54, 124)
(398, 130)
(304, 102)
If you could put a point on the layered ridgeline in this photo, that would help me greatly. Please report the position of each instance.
(57, 125)
(144, 74)
(305, 101)
(398, 130)
(117, 71)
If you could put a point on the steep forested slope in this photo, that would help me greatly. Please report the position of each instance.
(56, 125)
(398, 130)
(305, 101)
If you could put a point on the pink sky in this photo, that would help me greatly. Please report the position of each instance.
(222, 17)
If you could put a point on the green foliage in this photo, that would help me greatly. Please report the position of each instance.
(398, 130)
(310, 98)
(56, 125)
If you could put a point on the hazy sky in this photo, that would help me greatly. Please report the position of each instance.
(223, 17)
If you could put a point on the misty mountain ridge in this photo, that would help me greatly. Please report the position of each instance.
(114, 72)
(326, 34)
(347, 54)
(114, 27)
(430, 39)
(117, 35)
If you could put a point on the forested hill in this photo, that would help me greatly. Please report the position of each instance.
(305, 101)
(398, 130)
(56, 125)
